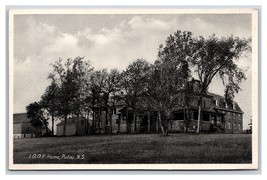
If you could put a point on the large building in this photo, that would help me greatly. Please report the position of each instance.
(22, 127)
(216, 116)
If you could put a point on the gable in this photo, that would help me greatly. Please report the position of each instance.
(20, 117)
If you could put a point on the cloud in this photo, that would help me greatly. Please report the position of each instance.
(116, 47)
(32, 39)
(29, 81)
(40, 43)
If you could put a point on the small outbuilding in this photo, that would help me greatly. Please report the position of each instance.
(74, 126)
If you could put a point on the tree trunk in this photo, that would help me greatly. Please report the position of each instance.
(53, 123)
(157, 122)
(185, 120)
(106, 121)
(160, 123)
(110, 123)
(93, 121)
(87, 124)
(135, 125)
(127, 120)
(148, 122)
(99, 120)
(164, 125)
(46, 129)
(65, 125)
(199, 118)
(119, 122)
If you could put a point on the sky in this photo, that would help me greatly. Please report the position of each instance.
(111, 41)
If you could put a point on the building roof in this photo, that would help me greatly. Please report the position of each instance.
(222, 106)
(20, 117)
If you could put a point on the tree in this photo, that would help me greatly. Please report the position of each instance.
(97, 83)
(170, 75)
(110, 88)
(165, 92)
(188, 96)
(133, 79)
(70, 78)
(49, 101)
(218, 56)
(144, 105)
(35, 113)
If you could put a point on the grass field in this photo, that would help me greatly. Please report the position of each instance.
(135, 148)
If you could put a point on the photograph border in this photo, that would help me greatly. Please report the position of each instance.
(255, 83)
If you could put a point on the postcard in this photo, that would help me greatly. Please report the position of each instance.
(133, 89)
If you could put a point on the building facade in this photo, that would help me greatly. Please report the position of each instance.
(216, 116)
(74, 126)
(22, 127)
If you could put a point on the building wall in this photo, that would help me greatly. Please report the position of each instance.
(233, 122)
(20, 136)
(25, 130)
(80, 128)
(70, 130)
(17, 128)
(179, 125)
(115, 124)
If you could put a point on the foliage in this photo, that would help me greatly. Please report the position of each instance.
(171, 72)
(36, 114)
(77, 89)
(219, 56)
(50, 103)
(71, 80)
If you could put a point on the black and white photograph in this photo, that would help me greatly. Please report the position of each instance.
(133, 89)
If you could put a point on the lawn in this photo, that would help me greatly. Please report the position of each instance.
(135, 148)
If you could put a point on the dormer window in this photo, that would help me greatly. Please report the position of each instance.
(226, 105)
(216, 103)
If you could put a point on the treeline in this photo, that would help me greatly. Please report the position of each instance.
(77, 89)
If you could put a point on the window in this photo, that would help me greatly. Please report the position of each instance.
(239, 126)
(234, 125)
(216, 103)
(229, 125)
(114, 111)
(178, 116)
(117, 121)
(205, 117)
(204, 104)
(195, 115)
